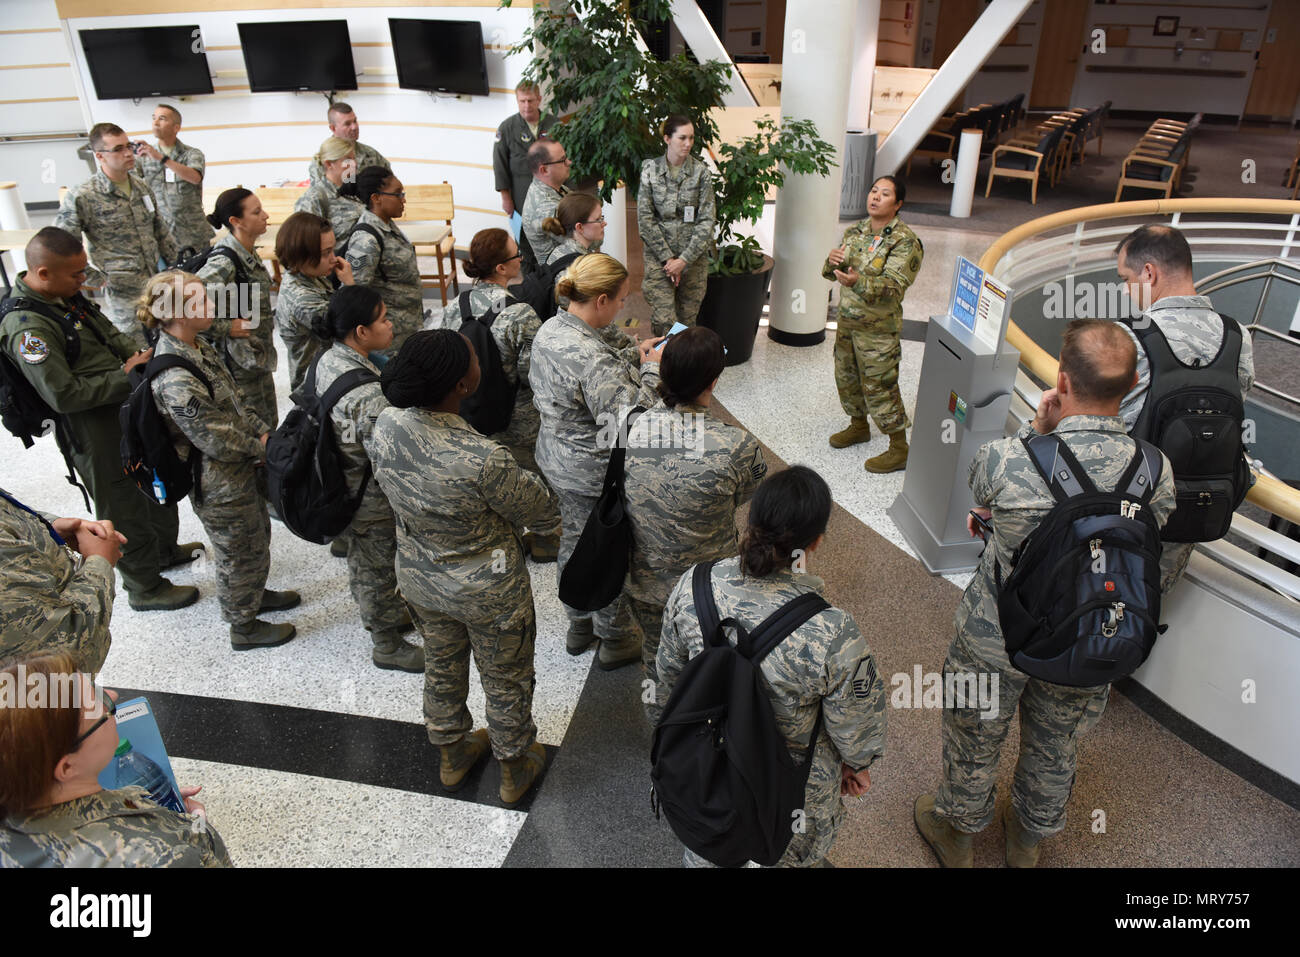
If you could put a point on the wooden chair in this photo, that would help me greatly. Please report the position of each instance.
(1023, 162)
(433, 203)
(1156, 163)
(1293, 173)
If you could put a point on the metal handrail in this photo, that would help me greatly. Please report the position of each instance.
(1268, 493)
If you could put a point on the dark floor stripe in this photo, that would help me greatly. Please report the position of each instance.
(326, 744)
(1213, 747)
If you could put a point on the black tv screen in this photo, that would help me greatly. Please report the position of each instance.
(440, 55)
(294, 55)
(137, 62)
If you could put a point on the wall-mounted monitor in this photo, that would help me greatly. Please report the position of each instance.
(133, 63)
(440, 56)
(298, 55)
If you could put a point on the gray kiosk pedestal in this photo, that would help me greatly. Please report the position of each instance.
(963, 402)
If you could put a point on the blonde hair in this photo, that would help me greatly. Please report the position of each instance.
(591, 276)
(573, 209)
(164, 298)
(335, 148)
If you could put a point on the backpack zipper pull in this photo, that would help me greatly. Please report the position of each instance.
(1095, 546)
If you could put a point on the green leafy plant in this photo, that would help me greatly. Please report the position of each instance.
(747, 170)
(617, 93)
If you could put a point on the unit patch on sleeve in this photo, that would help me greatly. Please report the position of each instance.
(33, 349)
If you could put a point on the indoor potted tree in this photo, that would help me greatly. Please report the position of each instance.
(739, 271)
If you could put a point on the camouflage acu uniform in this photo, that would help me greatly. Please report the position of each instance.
(824, 664)
(251, 361)
(870, 321)
(686, 475)
(179, 202)
(87, 396)
(232, 508)
(342, 212)
(51, 599)
(513, 331)
(461, 502)
(674, 212)
(614, 334)
(300, 300)
(372, 537)
(510, 156)
(539, 204)
(121, 828)
(366, 156)
(1052, 717)
(126, 236)
(394, 274)
(583, 389)
(1194, 332)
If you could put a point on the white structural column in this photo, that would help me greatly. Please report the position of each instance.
(962, 64)
(866, 28)
(698, 33)
(816, 60)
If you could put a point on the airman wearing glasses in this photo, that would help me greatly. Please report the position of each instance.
(126, 234)
(53, 812)
(550, 166)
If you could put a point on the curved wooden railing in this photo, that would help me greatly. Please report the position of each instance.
(1268, 493)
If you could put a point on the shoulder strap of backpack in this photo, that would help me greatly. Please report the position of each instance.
(1230, 350)
(706, 608)
(228, 253)
(71, 340)
(367, 228)
(561, 264)
(782, 623)
(1139, 479)
(1057, 465)
(618, 455)
(352, 379)
(160, 364)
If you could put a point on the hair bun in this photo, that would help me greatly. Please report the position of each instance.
(565, 287)
(553, 226)
(214, 221)
(320, 326)
(471, 270)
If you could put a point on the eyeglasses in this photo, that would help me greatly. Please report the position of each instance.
(508, 258)
(111, 709)
(400, 194)
(594, 222)
(562, 159)
(125, 148)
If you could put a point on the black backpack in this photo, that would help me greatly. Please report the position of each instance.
(1081, 606)
(538, 287)
(304, 469)
(721, 768)
(491, 406)
(149, 456)
(22, 410)
(1194, 415)
(342, 250)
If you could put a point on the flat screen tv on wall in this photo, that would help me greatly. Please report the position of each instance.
(298, 55)
(440, 56)
(132, 63)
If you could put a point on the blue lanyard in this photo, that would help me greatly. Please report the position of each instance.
(58, 539)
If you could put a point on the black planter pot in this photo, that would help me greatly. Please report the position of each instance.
(732, 308)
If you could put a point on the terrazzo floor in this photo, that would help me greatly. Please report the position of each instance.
(310, 756)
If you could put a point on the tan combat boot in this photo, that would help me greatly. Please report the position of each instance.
(260, 634)
(893, 458)
(951, 846)
(580, 636)
(459, 759)
(1022, 846)
(518, 774)
(859, 431)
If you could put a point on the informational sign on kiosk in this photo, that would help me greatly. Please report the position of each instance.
(979, 304)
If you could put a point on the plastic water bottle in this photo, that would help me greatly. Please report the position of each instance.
(136, 770)
(159, 490)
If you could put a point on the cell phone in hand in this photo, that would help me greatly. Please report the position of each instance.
(677, 327)
(983, 524)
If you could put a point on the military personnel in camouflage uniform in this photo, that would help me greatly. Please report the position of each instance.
(462, 502)
(371, 537)
(1159, 258)
(305, 247)
(824, 665)
(513, 330)
(578, 239)
(86, 395)
(52, 597)
(392, 269)
(511, 175)
(550, 165)
(323, 198)
(878, 260)
(174, 171)
(1052, 717)
(686, 473)
(343, 124)
(675, 214)
(229, 498)
(241, 289)
(583, 388)
(126, 234)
